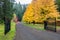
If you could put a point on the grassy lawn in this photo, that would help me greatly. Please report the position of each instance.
(58, 27)
(39, 26)
(36, 26)
(10, 35)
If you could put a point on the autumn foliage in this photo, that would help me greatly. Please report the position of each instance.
(40, 10)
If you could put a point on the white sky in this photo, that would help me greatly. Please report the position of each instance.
(24, 1)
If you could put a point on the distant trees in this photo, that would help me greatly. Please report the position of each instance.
(58, 3)
(40, 10)
(19, 10)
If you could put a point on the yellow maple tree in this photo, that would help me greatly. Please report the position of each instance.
(40, 10)
(28, 15)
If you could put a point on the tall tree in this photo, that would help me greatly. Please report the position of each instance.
(7, 13)
(40, 10)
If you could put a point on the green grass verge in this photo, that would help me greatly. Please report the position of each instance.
(36, 26)
(10, 35)
(39, 26)
(58, 27)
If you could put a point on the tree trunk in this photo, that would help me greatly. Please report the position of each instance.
(7, 24)
(45, 24)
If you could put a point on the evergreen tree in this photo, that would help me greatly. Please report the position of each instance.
(6, 13)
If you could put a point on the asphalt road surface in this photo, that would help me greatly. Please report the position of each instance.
(27, 33)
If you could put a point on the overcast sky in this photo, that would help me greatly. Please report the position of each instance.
(23, 1)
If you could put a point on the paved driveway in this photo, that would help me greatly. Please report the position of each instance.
(27, 33)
